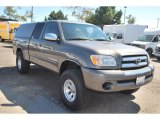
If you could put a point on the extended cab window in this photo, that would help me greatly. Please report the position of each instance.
(25, 30)
(155, 39)
(38, 30)
(51, 28)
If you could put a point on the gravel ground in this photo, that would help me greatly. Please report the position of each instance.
(37, 91)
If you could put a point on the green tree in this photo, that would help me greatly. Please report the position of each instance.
(80, 12)
(105, 16)
(117, 17)
(90, 19)
(29, 14)
(56, 16)
(12, 13)
(131, 19)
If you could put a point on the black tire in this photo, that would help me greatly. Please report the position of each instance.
(24, 66)
(81, 93)
(158, 58)
(130, 91)
(1, 40)
(149, 51)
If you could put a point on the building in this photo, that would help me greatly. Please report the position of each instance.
(3, 18)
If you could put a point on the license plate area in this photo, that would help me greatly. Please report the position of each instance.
(140, 80)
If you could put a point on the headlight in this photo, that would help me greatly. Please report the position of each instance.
(102, 60)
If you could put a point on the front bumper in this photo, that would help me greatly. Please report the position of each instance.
(120, 79)
(157, 54)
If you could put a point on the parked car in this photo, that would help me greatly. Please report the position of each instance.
(148, 41)
(157, 52)
(84, 58)
(124, 33)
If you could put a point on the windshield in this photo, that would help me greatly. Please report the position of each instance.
(74, 31)
(146, 38)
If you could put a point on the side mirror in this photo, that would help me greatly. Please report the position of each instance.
(50, 37)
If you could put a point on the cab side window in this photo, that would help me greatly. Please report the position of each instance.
(155, 39)
(51, 28)
(38, 30)
(119, 36)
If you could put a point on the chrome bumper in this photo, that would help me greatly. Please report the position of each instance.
(120, 79)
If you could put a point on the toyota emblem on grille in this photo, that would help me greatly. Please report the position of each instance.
(138, 61)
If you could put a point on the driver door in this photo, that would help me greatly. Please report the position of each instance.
(49, 51)
(155, 42)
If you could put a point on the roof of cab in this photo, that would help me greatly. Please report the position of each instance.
(66, 21)
(60, 21)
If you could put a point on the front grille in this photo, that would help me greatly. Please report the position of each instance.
(134, 62)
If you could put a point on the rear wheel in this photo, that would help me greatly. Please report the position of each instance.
(72, 88)
(21, 64)
(130, 91)
(1, 40)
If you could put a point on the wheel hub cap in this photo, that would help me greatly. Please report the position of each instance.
(19, 62)
(69, 90)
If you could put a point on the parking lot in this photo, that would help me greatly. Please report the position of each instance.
(38, 92)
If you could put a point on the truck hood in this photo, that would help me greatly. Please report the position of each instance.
(140, 42)
(108, 48)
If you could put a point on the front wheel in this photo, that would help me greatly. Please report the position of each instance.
(72, 88)
(158, 58)
(130, 91)
(21, 64)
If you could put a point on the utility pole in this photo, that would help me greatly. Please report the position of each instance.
(32, 14)
(157, 22)
(124, 23)
(125, 13)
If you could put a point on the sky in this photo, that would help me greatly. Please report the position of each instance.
(145, 15)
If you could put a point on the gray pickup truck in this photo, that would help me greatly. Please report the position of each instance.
(84, 58)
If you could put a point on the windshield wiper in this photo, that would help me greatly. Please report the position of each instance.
(88, 39)
(101, 40)
(78, 39)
